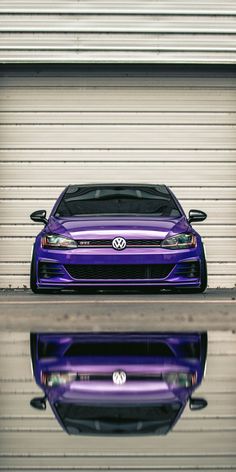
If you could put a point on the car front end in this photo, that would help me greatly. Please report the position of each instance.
(126, 250)
(126, 383)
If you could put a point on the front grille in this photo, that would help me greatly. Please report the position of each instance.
(189, 269)
(130, 377)
(48, 270)
(129, 242)
(119, 271)
(143, 242)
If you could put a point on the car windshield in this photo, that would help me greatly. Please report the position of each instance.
(105, 349)
(117, 200)
(118, 419)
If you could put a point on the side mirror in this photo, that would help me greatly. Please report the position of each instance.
(196, 215)
(39, 403)
(39, 216)
(197, 403)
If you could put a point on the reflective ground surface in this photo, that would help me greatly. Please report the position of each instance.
(201, 440)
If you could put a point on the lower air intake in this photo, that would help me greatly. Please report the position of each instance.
(188, 269)
(119, 271)
(48, 270)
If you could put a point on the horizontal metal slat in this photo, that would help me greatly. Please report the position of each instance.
(118, 136)
(9, 57)
(119, 23)
(114, 77)
(205, 443)
(130, 462)
(16, 349)
(181, 174)
(131, 6)
(128, 118)
(125, 155)
(99, 41)
(118, 98)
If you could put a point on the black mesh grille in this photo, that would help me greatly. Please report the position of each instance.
(50, 270)
(130, 377)
(143, 242)
(119, 271)
(108, 242)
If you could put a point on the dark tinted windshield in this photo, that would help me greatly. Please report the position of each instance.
(117, 200)
(118, 419)
(106, 349)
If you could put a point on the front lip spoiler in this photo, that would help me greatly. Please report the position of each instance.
(127, 284)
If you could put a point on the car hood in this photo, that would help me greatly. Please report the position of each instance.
(132, 227)
(109, 393)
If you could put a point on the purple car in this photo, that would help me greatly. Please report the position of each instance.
(126, 383)
(118, 235)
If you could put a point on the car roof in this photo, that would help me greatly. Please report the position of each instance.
(126, 184)
(160, 187)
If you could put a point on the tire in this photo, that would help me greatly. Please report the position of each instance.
(33, 277)
(33, 349)
(204, 348)
(203, 284)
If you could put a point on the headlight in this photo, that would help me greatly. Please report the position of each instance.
(180, 241)
(180, 379)
(54, 379)
(54, 241)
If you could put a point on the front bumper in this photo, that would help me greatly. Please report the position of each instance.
(132, 267)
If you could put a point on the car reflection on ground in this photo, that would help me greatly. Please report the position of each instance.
(118, 383)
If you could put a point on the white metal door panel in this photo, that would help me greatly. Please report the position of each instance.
(76, 124)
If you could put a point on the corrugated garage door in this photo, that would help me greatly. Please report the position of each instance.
(70, 124)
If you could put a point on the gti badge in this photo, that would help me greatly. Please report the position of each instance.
(119, 244)
(119, 377)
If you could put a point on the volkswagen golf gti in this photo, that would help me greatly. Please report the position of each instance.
(118, 383)
(118, 235)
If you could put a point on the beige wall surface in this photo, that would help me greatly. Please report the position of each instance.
(80, 124)
(87, 31)
(201, 440)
